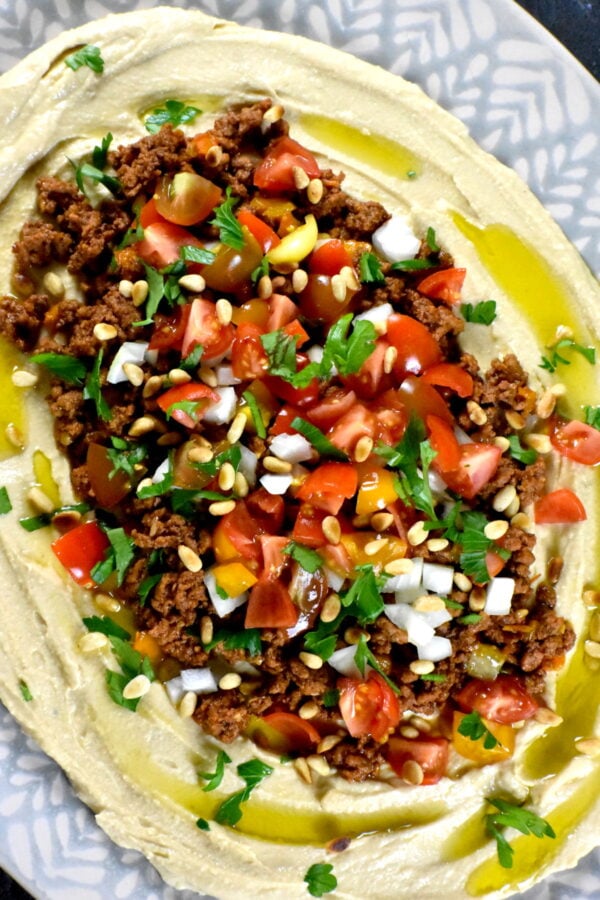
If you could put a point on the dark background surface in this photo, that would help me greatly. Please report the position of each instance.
(576, 24)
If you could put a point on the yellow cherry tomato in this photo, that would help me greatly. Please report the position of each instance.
(361, 547)
(296, 245)
(223, 548)
(376, 490)
(234, 578)
(475, 750)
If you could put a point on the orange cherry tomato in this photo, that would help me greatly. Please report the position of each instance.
(417, 348)
(504, 700)
(431, 753)
(109, 489)
(264, 234)
(270, 606)
(276, 171)
(186, 198)
(329, 258)
(284, 732)
(451, 376)
(368, 706)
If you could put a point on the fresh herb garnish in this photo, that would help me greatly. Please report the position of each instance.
(191, 408)
(432, 676)
(431, 240)
(482, 313)
(125, 456)
(473, 727)
(89, 56)
(262, 269)
(133, 235)
(25, 692)
(323, 639)
(118, 557)
(100, 153)
(412, 265)
(521, 454)
(230, 230)
(190, 253)
(347, 353)
(555, 358)
(92, 390)
(106, 625)
(87, 170)
(147, 586)
(592, 416)
(156, 291)
(363, 598)
(131, 661)
(192, 360)
(509, 815)
(174, 113)
(5, 504)
(252, 772)
(34, 523)
(412, 458)
(369, 268)
(330, 698)
(214, 779)
(322, 444)
(475, 546)
(248, 640)
(364, 657)
(469, 619)
(304, 556)
(202, 824)
(231, 455)
(255, 413)
(69, 368)
(320, 880)
(281, 352)
(157, 489)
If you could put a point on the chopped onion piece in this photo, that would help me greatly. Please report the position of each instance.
(161, 471)
(404, 616)
(128, 352)
(437, 578)
(436, 617)
(408, 595)
(315, 353)
(248, 464)
(343, 661)
(461, 436)
(223, 411)
(223, 606)
(225, 376)
(436, 482)
(499, 596)
(292, 448)
(436, 649)
(334, 580)
(411, 579)
(174, 687)
(395, 240)
(276, 484)
(376, 314)
(200, 681)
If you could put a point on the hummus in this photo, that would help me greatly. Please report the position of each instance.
(139, 772)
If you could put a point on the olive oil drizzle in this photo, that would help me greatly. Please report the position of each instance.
(12, 412)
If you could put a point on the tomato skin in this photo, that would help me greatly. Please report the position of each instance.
(443, 441)
(282, 310)
(169, 331)
(283, 421)
(275, 172)
(503, 700)
(182, 392)
(371, 378)
(329, 258)
(317, 300)
(561, 507)
(149, 214)
(307, 527)
(478, 464)
(79, 550)
(430, 752)
(452, 376)
(576, 441)
(331, 407)
(446, 285)
(420, 399)
(368, 706)
(186, 198)
(248, 357)
(231, 270)
(475, 750)
(300, 397)
(267, 510)
(274, 560)
(356, 423)
(292, 734)
(328, 486)
(264, 234)
(417, 348)
(107, 491)
(162, 242)
(270, 606)
(203, 327)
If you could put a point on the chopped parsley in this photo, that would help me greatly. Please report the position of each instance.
(555, 358)
(118, 557)
(157, 489)
(230, 230)
(369, 268)
(34, 523)
(304, 556)
(364, 657)
(202, 824)
(147, 586)
(125, 456)
(89, 56)
(255, 413)
(473, 727)
(521, 454)
(432, 676)
(133, 235)
(330, 698)
(92, 390)
(475, 546)
(431, 240)
(412, 458)
(469, 619)
(482, 313)
(132, 662)
(106, 625)
(156, 291)
(281, 353)
(92, 173)
(231, 455)
(214, 779)
(174, 113)
(191, 362)
(100, 153)
(252, 772)
(5, 504)
(263, 268)
(592, 416)
(363, 599)
(190, 253)
(510, 815)
(25, 692)
(320, 880)
(320, 442)
(69, 368)
(248, 640)
(412, 265)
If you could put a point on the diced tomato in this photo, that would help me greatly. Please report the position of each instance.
(240, 531)
(248, 357)
(109, 486)
(328, 486)
(494, 563)
(80, 549)
(417, 348)
(301, 397)
(149, 214)
(391, 424)
(282, 310)
(307, 527)
(205, 328)
(295, 329)
(388, 549)
(371, 378)
(162, 242)
(561, 507)
(377, 488)
(445, 284)
(431, 753)
(337, 558)
(358, 422)
(275, 172)
(203, 141)
(274, 560)
(169, 331)
(478, 464)
(443, 441)
(200, 394)
(264, 234)
(270, 606)
(267, 509)
(452, 376)
(504, 700)
(369, 706)
(420, 399)
(333, 404)
(186, 198)
(576, 441)
(283, 420)
(233, 577)
(285, 732)
(476, 751)
(148, 646)
(329, 258)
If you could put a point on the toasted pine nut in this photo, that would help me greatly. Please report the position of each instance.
(134, 373)
(381, 521)
(207, 376)
(241, 486)
(264, 288)
(230, 681)
(398, 566)
(331, 608)
(299, 280)
(588, 746)
(221, 507)
(301, 767)
(389, 358)
(496, 529)
(193, 283)
(515, 420)
(179, 376)
(153, 386)
(522, 521)
(308, 710)
(319, 765)
(314, 191)
(276, 465)
(338, 288)
(363, 448)
(273, 114)
(545, 405)
(137, 687)
(143, 425)
(224, 310)
(200, 454)
(14, 436)
(310, 660)
(236, 429)
(92, 642)
(417, 534)
(331, 529)
(139, 292)
(125, 287)
(206, 629)
(539, 442)
(226, 477)
(437, 544)
(23, 379)
(189, 558)
(53, 283)
(40, 500)
(504, 498)
(328, 743)
(372, 548)
(462, 582)
(476, 414)
(301, 179)
(103, 331)
(421, 666)
(187, 705)
(412, 773)
(592, 648)
(502, 442)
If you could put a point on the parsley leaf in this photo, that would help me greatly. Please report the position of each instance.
(281, 352)
(592, 416)
(410, 265)
(412, 457)
(552, 362)
(192, 360)
(25, 692)
(99, 154)
(330, 698)
(304, 556)
(230, 230)
(521, 454)
(133, 235)
(125, 455)
(252, 772)
(174, 113)
(89, 56)
(432, 676)
(214, 779)
(86, 170)
(320, 879)
(117, 559)
(156, 291)
(369, 268)
(107, 626)
(475, 545)
(363, 599)
(132, 662)
(431, 240)
(509, 815)
(473, 727)
(263, 268)
(190, 253)
(5, 504)
(321, 644)
(248, 640)
(322, 444)
(147, 586)
(347, 354)
(69, 368)
(364, 657)
(256, 413)
(92, 391)
(203, 825)
(482, 313)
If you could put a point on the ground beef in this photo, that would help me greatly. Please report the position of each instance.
(76, 322)
(437, 317)
(356, 760)
(39, 244)
(139, 166)
(225, 715)
(21, 320)
(340, 214)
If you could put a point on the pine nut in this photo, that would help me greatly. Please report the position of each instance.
(539, 442)
(14, 436)
(193, 283)
(278, 466)
(301, 179)
(92, 642)
(139, 292)
(588, 746)
(143, 425)
(107, 603)
(546, 716)
(372, 548)
(496, 529)
(314, 191)
(381, 521)
(412, 773)
(515, 420)
(224, 310)
(338, 288)
(241, 486)
(311, 660)
(398, 566)
(299, 280)
(545, 405)
(419, 722)
(417, 534)
(206, 629)
(522, 521)
(66, 519)
(319, 765)
(187, 705)
(236, 429)
(226, 477)
(463, 583)
(504, 498)
(207, 376)
(189, 558)
(301, 767)
(273, 114)
(134, 373)
(308, 710)
(200, 454)
(153, 386)
(476, 414)
(591, 598)
(409, 731)
(40, 500)
(105, 332)
(331, 608)
(221, 507)
(434, 545)
(328, 743)
(477, 600)
(137, 687)
(179, 376)
(363, 448)
(513, 508)
(214, 155)
(389, 358)
(331, 529)
(429, 603)
(23, 379)
(501, 442)
(349, 276)
(264, 288)
(559, 390)
(592, 648)
(53, 284)
(125, 287)
(230, 681)
(421, 667)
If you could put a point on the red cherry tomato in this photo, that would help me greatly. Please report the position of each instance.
(276, 171)
(478, 465)
(329, 258)
(329, 485)
(162, 242)
(263, 233)
(504, 700)
(80, 549)
(294, 735)
(307, 527)
(561, 507)
(576, 441)
(356, 423)
(109, 486)
(417, 348)
(446, 285)
(198, 394)
(420, 399)
(186, 198)
(334, 403)
(270, 606)
(443, 440)
(368, 707)
(149, 214)
(205, 328)
(283, 420)
(451, 376)
(431, 753)
(169, 331)
(371, 378)
(248, 357)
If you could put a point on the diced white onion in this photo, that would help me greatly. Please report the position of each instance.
(174, 688)
(408, 594)
(437, 648)
(498, 596)
(315, 353)
(276, 484)
(225, 376)
(334, 580)
(436, 482)
(222, 606)
(292, 448)
(437, 578)
(248, 464)
(461, 436)
(410, 579)
(223, 411)
(343, 661)
(376, 314)
(151, 357)
(404, 616)
(161, 471)
(200, 681)
(436, 617)
(128, 352)
(395, 240)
